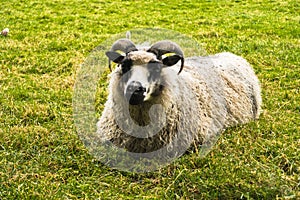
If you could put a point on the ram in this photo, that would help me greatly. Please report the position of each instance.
(156, 94)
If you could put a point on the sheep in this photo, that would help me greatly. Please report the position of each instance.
(152, 105)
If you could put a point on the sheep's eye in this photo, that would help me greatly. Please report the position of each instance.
(126, 66)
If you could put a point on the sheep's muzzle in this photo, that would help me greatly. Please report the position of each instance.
(135, 93)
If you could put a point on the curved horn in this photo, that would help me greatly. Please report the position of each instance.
(166, 46)
(124, 45)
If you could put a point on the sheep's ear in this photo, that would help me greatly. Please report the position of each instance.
(114, 56)
(171, 60)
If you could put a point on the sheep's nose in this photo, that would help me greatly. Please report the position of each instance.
(135, 93)
(135, 87)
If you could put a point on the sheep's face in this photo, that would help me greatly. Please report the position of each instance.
(140, 73)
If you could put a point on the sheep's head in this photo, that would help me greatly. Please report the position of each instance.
(140, 71)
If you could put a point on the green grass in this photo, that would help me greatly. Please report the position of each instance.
(41, 156)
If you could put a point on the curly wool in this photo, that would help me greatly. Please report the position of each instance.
(209, 95)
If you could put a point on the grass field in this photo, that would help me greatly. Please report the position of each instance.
(41, 156)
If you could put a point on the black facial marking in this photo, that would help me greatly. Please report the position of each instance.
(154, 69)
(126, 65)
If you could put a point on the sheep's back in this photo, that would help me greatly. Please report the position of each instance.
(232, 83)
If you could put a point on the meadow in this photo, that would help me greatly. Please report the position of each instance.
(41, 155)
